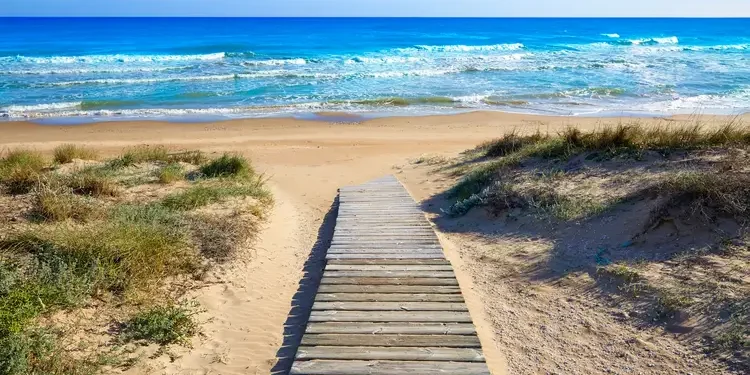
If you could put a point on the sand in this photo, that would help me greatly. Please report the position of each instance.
(306, 161)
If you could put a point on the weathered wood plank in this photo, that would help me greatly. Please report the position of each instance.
(390, 353)
(388, 267)
(384, 256)
(435, 274)
(331, 367)
(388, 281)
(390, 306)
(447, 341)
(395, 250)
(392, 328)
(389, 261)
(391, 316)
(387, 297)
(333, 288)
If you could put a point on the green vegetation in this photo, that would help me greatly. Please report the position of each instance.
(171, 324)
(20, 170)
(512, 150)
(202, 195)
(67, 152)
(727, 193)
(56, 203)
(171, 173)
(79, 247)
(228, 166)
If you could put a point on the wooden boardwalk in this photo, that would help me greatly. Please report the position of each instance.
(388, 302)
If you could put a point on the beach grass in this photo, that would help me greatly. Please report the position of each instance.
(68, 152)
(20, 170)
(89, 238)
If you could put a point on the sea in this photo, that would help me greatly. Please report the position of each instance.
(208, 68)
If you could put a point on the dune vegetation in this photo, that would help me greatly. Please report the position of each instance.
(121, 237)
(656, 218)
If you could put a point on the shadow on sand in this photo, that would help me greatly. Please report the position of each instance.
(302, 302)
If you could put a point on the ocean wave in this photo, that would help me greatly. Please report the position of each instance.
(117, 58)
(385, 60)
(613, 35)
(275, 62)
(463, 48)
(93, 71)
(649, 41)
(40, 107)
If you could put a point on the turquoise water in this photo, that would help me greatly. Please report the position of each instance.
(155, 68)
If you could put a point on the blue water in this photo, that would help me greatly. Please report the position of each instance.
(124, 68)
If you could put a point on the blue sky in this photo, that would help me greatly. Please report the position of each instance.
(487, 8)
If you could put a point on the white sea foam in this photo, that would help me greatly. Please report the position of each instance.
(664, 40)
(275, 62)
(91, 71)
(464, 48)
(614, 35)
(39, 107)
(117, 58)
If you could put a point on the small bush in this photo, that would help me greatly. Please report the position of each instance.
(228, 166)
(510, 143)
(171, 173)
(203, 195)
(37, 352)
(20, 170)
(220, 237)
(162, 325)
(67, 152)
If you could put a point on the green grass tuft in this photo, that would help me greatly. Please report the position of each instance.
(140, 154)
(20, 170)
(92, 182)
(203, 195)
(171, 324)
(228, 166)
(68, 152)
(171, 173)
(57, 203)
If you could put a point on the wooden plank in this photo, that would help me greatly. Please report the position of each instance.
(391, 316)
(384, 256)
(339, 288)
(392, 328)
(447, 341)
(390, 353)
(390, 306)
(435, 274)
(389, 267)
(394, 244)
(389, 261)
(388, 281)
(387, 297)
(394, 250)
(331, 367)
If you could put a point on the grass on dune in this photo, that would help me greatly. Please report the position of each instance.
(171, 173)
(202, 195)
(228, 166)
(145, 153)
(20, 170)
(169, 324)
(68, 152)
(512, 149)
(89, 244)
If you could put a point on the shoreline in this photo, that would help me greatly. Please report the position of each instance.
(347, 117)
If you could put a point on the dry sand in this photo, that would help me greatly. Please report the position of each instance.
(306, 161)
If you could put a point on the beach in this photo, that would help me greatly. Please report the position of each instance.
(305, 163)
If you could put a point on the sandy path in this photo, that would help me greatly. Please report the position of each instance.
(306, 161)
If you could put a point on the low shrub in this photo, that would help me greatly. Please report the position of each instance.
(228, 166)
(170, 324)
(20, 170)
